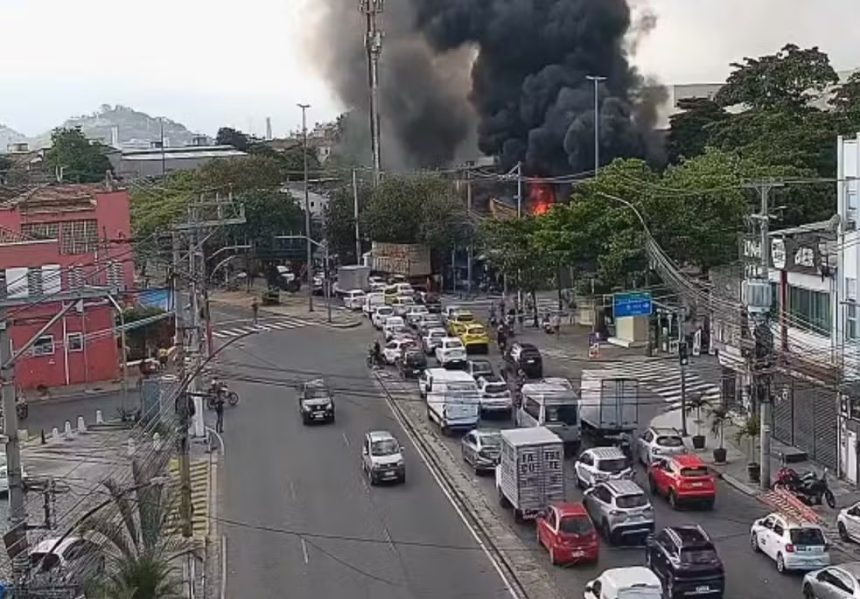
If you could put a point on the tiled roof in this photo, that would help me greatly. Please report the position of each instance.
(67, 197)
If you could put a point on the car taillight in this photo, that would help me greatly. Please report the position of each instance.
(789, 548)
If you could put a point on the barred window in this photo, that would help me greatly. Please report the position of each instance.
(114, 274)
(78, 236)
(41, 230)
(34, 282)
(76, 278)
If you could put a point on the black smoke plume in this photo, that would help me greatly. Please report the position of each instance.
(514, 70)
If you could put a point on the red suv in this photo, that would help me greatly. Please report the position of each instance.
(567, 533)
(681, 479)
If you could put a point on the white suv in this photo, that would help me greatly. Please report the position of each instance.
(495, 395)
(380, 315)
(792, 545)
(450, 351)
(432, 339)
(656, 443)
(599, 464)
(619, 509)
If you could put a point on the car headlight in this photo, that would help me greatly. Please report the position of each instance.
(306, 407)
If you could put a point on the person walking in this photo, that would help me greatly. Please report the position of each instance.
(255, 308)
(219, 414)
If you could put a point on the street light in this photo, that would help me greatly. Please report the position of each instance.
(596, 79)
(309, 269)
(327, 285)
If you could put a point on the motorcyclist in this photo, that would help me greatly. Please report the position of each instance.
(376, 352)
(502, 337)
(216, 388)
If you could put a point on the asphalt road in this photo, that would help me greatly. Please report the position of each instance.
(749, 575)
(299, 518)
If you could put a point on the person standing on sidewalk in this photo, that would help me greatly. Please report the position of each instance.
(255, 309)
(219, 413)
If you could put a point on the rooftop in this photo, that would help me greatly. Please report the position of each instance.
(184, 152)
(53, 198)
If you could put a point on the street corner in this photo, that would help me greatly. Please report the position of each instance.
(200, 497)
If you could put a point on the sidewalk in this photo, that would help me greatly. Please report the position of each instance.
(572, 344)
(294, 305)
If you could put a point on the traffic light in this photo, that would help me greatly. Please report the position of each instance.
(682, 353)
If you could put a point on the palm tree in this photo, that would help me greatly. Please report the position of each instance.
(143, 550)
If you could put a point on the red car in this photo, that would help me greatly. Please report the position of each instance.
(566, 531)
(682, 479)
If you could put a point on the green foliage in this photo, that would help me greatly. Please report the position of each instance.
(290, 161)
(690, 130)
(512, 247)
(846, 102)
(340, 220)
(227, 136)
(80, 161)
(238, 175)
(784, 81)
(269, 213)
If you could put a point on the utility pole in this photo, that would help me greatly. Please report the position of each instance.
(310, 259)
(373, 44)
(355, 216)
(469, 255)
(163, 157)
(519, 215)
(596, 79)
(758, 300)
(683, 359)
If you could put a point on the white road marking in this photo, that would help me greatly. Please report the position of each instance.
(223, 593)
(304, 549)
(219, 335)
(389, 539)
(292, 491)
(345, 439)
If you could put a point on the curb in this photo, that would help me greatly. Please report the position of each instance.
(77, 396)
(735, 483)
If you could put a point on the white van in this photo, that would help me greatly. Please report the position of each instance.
(453, 400)
(371, 300)
(405, 290)
(635, 582)
(354, 299)
(553, 405)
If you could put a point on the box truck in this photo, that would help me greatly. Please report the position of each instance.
(608, 404)
(530, 474)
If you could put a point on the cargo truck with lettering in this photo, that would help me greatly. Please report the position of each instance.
(530, 474)
(608, 404)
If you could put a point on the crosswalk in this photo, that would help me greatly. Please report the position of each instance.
(663, 378)
(261, 327)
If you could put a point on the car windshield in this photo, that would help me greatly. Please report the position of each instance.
(670, 441)
(438, 334)
(454, 343)
(385, 447)
(629, 501)
(464, 318)
(699, 555)
(479, 366)
(575, 525)
(51, 561)
(495, 388)
(807, 536)
(565, 414)
(613, 465)
(696, 471)
(316, 392)
(415, 357)
(492, 441)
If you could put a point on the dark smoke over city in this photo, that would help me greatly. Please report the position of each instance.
(506, 75)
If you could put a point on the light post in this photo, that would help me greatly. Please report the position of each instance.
(596, 79)
(124, 351)
(327, 285)
(309, 269)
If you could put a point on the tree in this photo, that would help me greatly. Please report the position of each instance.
(79, 160)
(690, 130)
(227, 136)
(512, 248)
(340, 220)
(846, 102)
(269, 213)
(241, 174)
(784, 81)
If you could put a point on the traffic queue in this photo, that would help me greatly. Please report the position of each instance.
(442, 348)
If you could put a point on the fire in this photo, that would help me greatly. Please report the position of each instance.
(541, 197)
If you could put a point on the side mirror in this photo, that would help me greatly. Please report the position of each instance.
(649, 540)
(364, 451)
(589, 587)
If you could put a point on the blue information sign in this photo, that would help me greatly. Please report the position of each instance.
(634, 303)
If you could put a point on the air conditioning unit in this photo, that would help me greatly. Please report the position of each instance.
(756, 296)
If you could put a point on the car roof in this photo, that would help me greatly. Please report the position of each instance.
(623, 487)
(629, 576)
(491, 378)
(606, 453)
(567, 508)
(690, 535)
(665, 431)
(688, 460)
(380, 436)
(457, 339)
(46, 545)
(527, 346)
(437, 330)
(793, 522)
(487, 432)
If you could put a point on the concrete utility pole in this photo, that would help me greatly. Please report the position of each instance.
(309, 254)
(355, 216)
(596, 79)
(519, 215)
(373, 44)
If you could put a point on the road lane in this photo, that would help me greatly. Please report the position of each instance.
(282, 475)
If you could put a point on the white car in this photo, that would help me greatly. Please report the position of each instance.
(792, 545)
(380, 315)
(834, 582)
(373, 300)
(450, 351)
(402, 305)
(848, 523)
(72, 559)
(599, 464)
(414, 315)
(495, 395)
(656, 442)
(432, 339)
(405, 290)
(393, 325)
(449, 311)
(382, 458)
(354, 299)
(394, 349)
(617, 583)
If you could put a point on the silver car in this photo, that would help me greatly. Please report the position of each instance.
(620, 509)
(382, 458)
(481, 449)
(833, 582)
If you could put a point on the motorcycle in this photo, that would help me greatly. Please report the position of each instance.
(373, 360)
(231, 397)
(808, 487)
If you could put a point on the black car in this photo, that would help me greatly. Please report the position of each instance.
(433, 303)
(412, 364)
(479, 368)
(315, 402)
(525, 357)
(686, 562)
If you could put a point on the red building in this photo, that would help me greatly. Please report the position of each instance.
(57, 243)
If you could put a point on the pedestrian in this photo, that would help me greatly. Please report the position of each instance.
(255, 308)
(163, 357)
(219, 414)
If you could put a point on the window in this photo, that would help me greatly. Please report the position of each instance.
(75, 342)
(631, 501)
(807, 536)
(576, 525)
(778, 529)
(78, 236)
(810, 309)
(850, 288)
(34, 282)
(532, 408)
(41, 230)
(612, 465)
(44, 346)
(851, 321)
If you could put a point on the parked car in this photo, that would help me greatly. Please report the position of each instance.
(833, 582)
(414, 315)
(393, 323)
(74, 560)
(620, 509)
(686, 562)
(495, 395)
(432, 339)
(681, 479)
(659, 442)
(450, 353)
(480, 449)
(632, 582)
(382, 458)
(601, 463)
(792, 545)
(525, 357)
(393, 350)
(380, 315)
(354, 299)
(479, 368)
(475, 338)
(413, 362)
(567, 533)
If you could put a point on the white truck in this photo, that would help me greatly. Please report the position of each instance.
(554, 404)
(530, 474)
(352, 277)
(609, 404)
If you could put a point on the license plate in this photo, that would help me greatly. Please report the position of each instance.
(319, 415)
(698, 484)
(530, 361)
(703, 589)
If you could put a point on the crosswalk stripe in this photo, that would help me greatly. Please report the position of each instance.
(269, 326)
(220, 335)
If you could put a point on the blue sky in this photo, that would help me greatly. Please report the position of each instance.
(209, 64)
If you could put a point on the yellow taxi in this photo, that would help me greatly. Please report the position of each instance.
(475, 338)
(459, 321)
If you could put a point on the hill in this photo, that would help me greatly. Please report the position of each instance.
(8, 135)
